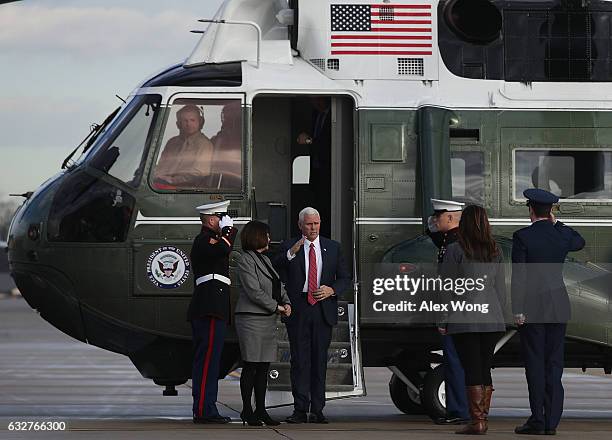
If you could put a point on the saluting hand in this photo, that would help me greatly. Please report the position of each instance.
(296, 247)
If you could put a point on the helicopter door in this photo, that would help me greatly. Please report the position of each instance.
(276, 124)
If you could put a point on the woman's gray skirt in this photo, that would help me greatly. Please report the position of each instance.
(257, 337)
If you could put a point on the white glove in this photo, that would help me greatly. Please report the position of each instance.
(226, 220)
(431, 224)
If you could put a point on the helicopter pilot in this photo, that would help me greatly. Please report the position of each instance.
(209, 309)
(185, 161)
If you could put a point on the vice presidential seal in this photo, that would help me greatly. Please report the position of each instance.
(168, 267)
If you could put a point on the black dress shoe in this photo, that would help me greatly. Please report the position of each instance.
(250, 418)
(318, 417)
(297, 417)
(451, 421)
(550, 432)
(264, 417)
(218, 419)
(528, 430)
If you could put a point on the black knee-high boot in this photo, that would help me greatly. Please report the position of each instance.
(247, 381)
(261, 384)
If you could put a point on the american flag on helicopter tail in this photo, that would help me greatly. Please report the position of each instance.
(387, 29)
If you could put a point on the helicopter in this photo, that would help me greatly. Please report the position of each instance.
(471, 100)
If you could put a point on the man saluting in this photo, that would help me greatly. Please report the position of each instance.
(541, 307)
(209, 310)
(314, 273)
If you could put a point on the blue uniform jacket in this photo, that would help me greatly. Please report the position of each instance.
(538, 254)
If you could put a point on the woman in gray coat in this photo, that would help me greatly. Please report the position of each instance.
(261, 299)
(475, 316)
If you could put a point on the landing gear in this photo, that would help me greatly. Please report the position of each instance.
(170, 391)
(406, 397)
(433, 393)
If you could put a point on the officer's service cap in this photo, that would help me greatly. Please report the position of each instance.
(213, 208)
(446, 205)
(540, 196)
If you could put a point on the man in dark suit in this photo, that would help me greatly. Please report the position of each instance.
(541, 307)
(314, 273)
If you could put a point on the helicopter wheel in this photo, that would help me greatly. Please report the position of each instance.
(433, 393)
(403, 397)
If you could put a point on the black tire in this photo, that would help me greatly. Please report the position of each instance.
(403, 397)
(432, 400)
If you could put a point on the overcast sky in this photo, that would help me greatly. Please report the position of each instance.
(63, 61)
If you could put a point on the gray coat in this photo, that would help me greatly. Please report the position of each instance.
(456, 265)
(256, 286)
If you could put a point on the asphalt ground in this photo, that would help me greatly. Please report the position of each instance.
(46, 376)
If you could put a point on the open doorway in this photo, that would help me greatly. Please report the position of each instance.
(303, 155)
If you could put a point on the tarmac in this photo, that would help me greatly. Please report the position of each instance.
(46, 376)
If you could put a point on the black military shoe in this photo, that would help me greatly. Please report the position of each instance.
(318, 417)
(297, 417)
(218, 419)
(528, 430)
(451, 421)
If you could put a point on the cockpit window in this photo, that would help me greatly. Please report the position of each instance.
(201, 147)
(123, 156)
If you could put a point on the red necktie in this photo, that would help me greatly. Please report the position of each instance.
(312, 274)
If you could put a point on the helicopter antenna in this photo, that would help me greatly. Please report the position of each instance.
(27, 195)
(120, 99)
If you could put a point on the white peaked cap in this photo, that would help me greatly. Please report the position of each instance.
(446, 205)
(213, 208)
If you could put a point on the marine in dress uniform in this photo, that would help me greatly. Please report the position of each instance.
(454, 377)
(541, 307)
(209, 309)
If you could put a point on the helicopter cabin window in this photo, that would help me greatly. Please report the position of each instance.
(122, 157)
(578, 175)
(467, 175)
(201, 149)
(388, 142)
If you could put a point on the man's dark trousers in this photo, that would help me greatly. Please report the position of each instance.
(309, 338)
(208, 337)
(542, 347)
(454, 381)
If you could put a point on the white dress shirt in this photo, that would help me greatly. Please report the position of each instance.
(317, 247)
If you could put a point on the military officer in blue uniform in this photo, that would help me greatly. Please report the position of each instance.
(443, 227)
(209, 310)
(541, 307)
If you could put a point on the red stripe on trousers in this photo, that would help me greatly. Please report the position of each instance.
(211, 338)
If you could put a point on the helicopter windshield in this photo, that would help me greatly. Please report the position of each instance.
(120, 152)
(202, 147)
